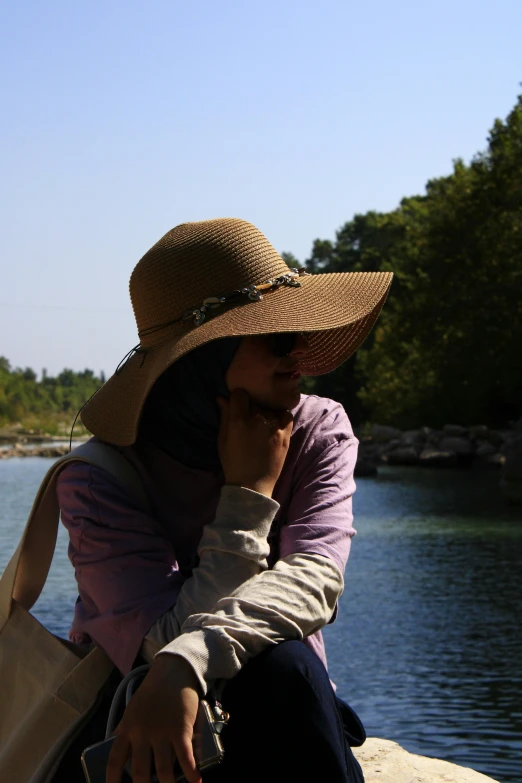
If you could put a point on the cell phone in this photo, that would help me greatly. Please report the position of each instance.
(206, 742)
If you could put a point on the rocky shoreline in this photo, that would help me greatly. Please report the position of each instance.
(453, 446)
(22, 443)
(19, 450)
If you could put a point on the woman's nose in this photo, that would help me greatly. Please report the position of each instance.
(301, 345)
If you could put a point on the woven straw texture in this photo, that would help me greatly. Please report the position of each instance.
(213, 258)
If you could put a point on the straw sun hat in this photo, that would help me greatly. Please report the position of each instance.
(222, 278)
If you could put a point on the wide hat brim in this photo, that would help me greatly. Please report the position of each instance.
(338, 310)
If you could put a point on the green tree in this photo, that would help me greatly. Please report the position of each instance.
(447, 344)
(45, 404)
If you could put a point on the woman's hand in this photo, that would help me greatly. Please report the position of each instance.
(158, 725)
(253, 442)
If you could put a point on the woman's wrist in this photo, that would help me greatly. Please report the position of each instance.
(245, 507)
(174, 668)
(261, 487)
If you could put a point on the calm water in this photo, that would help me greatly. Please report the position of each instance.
(427, 646)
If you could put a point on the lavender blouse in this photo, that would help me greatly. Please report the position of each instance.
(131, 562)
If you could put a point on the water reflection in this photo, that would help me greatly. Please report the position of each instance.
(427, 643)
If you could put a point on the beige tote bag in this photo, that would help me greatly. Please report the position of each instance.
(48, 686)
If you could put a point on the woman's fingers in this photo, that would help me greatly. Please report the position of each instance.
(253, 442)
(243, 409)
(277, 419)
(240, 408)
(158, 724)
(141, 762)
(164, 760)
(120, 751)
(185, 754)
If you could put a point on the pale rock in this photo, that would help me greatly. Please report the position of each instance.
(384, 761)
(438, 459)
(490, 460)
(459, 446)
(496, 460)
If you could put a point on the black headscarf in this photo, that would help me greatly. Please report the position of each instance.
(181, 414)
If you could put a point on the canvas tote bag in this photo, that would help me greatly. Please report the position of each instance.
(48, 686)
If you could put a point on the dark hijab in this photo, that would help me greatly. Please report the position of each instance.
(181, 414)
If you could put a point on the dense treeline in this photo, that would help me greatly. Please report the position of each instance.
(448, 344)
(50, 403)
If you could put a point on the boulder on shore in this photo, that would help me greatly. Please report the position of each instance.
(459, 446)
(454, 430)
(384, 761)
(383, 434)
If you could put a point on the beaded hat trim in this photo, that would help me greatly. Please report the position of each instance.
(253, 292)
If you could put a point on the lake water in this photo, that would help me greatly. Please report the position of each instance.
(427, 646)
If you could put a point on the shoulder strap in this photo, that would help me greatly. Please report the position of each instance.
(25, 574)
(101, 455)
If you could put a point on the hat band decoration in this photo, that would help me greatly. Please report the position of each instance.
(253, 292)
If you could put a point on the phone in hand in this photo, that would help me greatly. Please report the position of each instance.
(206, 742)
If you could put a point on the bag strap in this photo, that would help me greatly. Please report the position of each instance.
(26, 573)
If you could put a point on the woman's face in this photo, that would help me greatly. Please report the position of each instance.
(271, 381)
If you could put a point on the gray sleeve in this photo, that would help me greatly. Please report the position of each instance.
(233, 607)
(290, 601)
(232, 550)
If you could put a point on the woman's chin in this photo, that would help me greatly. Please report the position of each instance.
(278, 400)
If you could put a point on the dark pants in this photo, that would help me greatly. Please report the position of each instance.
(286, 724)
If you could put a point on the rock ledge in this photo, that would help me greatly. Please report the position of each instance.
(384, 761)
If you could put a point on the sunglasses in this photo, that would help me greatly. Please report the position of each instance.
(283, 343)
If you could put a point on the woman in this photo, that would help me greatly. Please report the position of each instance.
(240, 557)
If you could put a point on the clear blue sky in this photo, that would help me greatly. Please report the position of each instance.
(123, 119)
